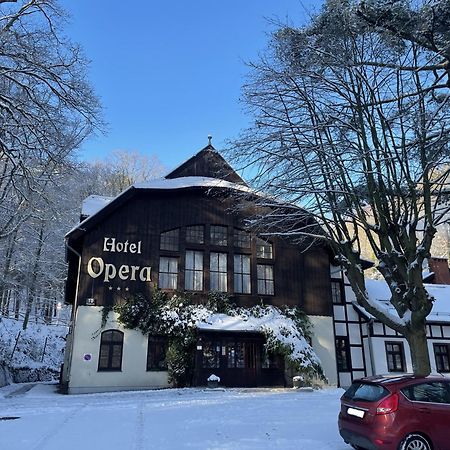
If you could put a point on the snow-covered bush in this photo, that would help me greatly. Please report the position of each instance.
(32, 354)
(286, 330)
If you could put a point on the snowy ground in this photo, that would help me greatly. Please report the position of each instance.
(170, 419)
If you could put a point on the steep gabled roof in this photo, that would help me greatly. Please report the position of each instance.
(207, 163)
(163, 184)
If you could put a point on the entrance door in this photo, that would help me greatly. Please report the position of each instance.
(235, 358)
(242, 361)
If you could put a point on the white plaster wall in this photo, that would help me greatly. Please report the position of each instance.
(379, 354)
(324, 345)
(349, 294)
(84, 376)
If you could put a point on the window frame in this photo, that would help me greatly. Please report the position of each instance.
(438, 357)
(110, 345)
(173, 242)
(215, 353)
(240, 237)
(261, 246)
(194, 270)
(216, 274)
(161, 343)
(241, 274)
(343, 350)
(214, 235)
(401, 352)
(337, 283)
(168, 273)
(265, 282)
(195, 234)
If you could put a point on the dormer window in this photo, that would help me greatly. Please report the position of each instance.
(170, 240)
(219, 235)
(264, 249)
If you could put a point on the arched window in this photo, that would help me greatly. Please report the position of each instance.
(111, 347)
(170, 240)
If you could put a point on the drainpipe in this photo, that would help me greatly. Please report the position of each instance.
(369, 342)
(69, 348)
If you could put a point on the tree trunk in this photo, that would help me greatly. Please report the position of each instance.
(417, 340)
(32, 287)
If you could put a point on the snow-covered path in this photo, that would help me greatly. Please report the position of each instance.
(171, 419)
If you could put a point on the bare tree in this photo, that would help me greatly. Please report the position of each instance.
(346, 133)
(47, 107)
(120, 170)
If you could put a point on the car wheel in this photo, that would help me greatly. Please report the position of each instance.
(415, 442)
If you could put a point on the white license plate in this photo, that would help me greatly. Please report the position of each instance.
(355, 412)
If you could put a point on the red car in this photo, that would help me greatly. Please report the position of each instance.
(397, 413)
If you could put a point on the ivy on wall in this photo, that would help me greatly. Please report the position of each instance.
(287, 331)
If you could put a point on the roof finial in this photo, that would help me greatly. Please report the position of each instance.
(209, 139)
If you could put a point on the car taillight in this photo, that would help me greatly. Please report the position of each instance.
(388, 405)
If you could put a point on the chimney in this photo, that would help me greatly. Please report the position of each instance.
(440, 268)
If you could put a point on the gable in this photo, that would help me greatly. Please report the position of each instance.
(207, 163)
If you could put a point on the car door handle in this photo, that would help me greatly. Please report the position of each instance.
(424, 410)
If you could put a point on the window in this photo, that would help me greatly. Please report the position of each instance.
(343, 354)
(432, 392)
(265, 279)
(395, 357)
(219, 235)
(168, 273)
(156, 353)
(211, 355)
(111, 345)
(366, 392)
(236, 355)
(195, 234)
(441, 354)
(272, 360)
(336, 292)
(263, 249)
(218, 272)
(170, 240)
(193, 280)
(241, 239)
(242, 283)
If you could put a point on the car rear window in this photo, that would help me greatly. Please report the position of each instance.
(367, 392)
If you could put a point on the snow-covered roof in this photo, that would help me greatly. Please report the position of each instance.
(188, 182)
(223, 322)
(94, 203)
(378, 291)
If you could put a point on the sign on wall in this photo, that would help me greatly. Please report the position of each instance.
(98, 268)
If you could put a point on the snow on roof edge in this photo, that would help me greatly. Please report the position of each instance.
(169, 184)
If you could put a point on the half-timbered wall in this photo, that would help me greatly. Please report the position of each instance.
(363, 345)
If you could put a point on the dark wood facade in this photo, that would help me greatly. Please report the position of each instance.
(300, 279)
(121, 254)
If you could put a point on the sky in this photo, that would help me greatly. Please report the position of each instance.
(169, 73)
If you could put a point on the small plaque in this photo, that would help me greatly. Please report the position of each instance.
(87, 357)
